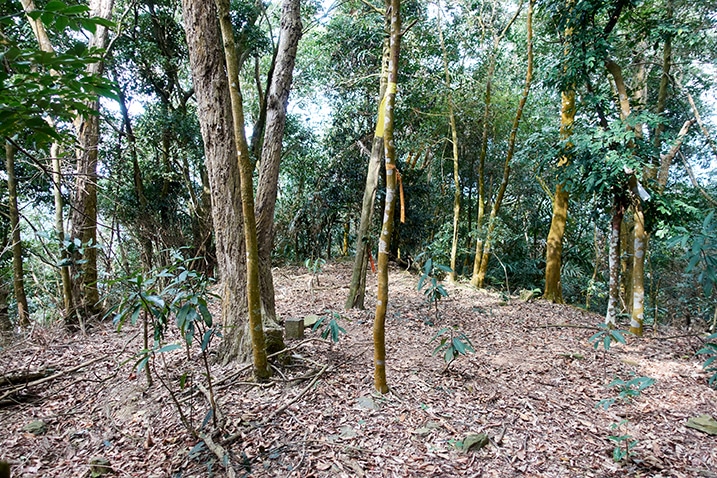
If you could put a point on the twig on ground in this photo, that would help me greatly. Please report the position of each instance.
(220, 452)
(51, 377)
(569, 326)
(295, 399)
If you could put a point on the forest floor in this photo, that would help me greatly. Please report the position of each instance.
(532, 386)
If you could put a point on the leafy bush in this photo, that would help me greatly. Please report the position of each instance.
(434, 291)
(175, 292)
(331, 326)
(606, 336)
(453, 343)
(627, 390)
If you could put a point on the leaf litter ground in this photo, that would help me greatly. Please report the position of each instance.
(531, 387)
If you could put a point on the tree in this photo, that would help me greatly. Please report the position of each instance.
(87, 106)
(14, 214)
(277, 99)
(386, 125)
(84, 204)
(497, 38)
(487, 244)
(215, 117)
(357, 287)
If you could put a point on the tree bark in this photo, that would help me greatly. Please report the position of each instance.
(84, 213)
(215, 118)
(553, 256)
(256, 329)
(454, 143)
(384, 241)
(60, 231)
(277, 100)
(613, 300)
(357, 287)
(18, 282)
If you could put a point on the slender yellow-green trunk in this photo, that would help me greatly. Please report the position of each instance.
(479, 253)
(357, 288)
(384, 240)
(261, 367)
(454, 142)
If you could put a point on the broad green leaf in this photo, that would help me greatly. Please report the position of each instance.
(168, 348)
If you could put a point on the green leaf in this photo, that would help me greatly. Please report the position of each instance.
(168, 348)
(318, 323)
(206, 339)
(450, 355)
(55, 6)
(617, 335)
(135, 313)
(459, 346)
(205, 312)
(440, 332)
(76, 10)
(142, 363)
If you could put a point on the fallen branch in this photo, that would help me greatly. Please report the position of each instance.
(281, 410)
(51, 377)
(296, 398)
(567, 326)
(24, 378)
(220, 452)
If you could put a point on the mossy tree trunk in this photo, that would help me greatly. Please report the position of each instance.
(253, 291)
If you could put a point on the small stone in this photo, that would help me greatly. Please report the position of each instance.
(367, 402)
(347, 432)
(475, 442)
(703, 423)
(426, 429)
(310, 320)
(36, 427)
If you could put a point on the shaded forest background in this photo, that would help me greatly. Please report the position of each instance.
(461, 63)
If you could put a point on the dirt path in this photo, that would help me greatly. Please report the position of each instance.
(532, 389)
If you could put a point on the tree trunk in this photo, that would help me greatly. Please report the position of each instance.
(84, 212)
(18, 282)
(638, 272)
(553, 257)
(276, 103)
(60, 231)
(454, 142)
(215, 118)
(554, 248)
(256, 329)
(482, 199)
(357, 288)
(384, 241)
(485, 256)
(613, 300)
